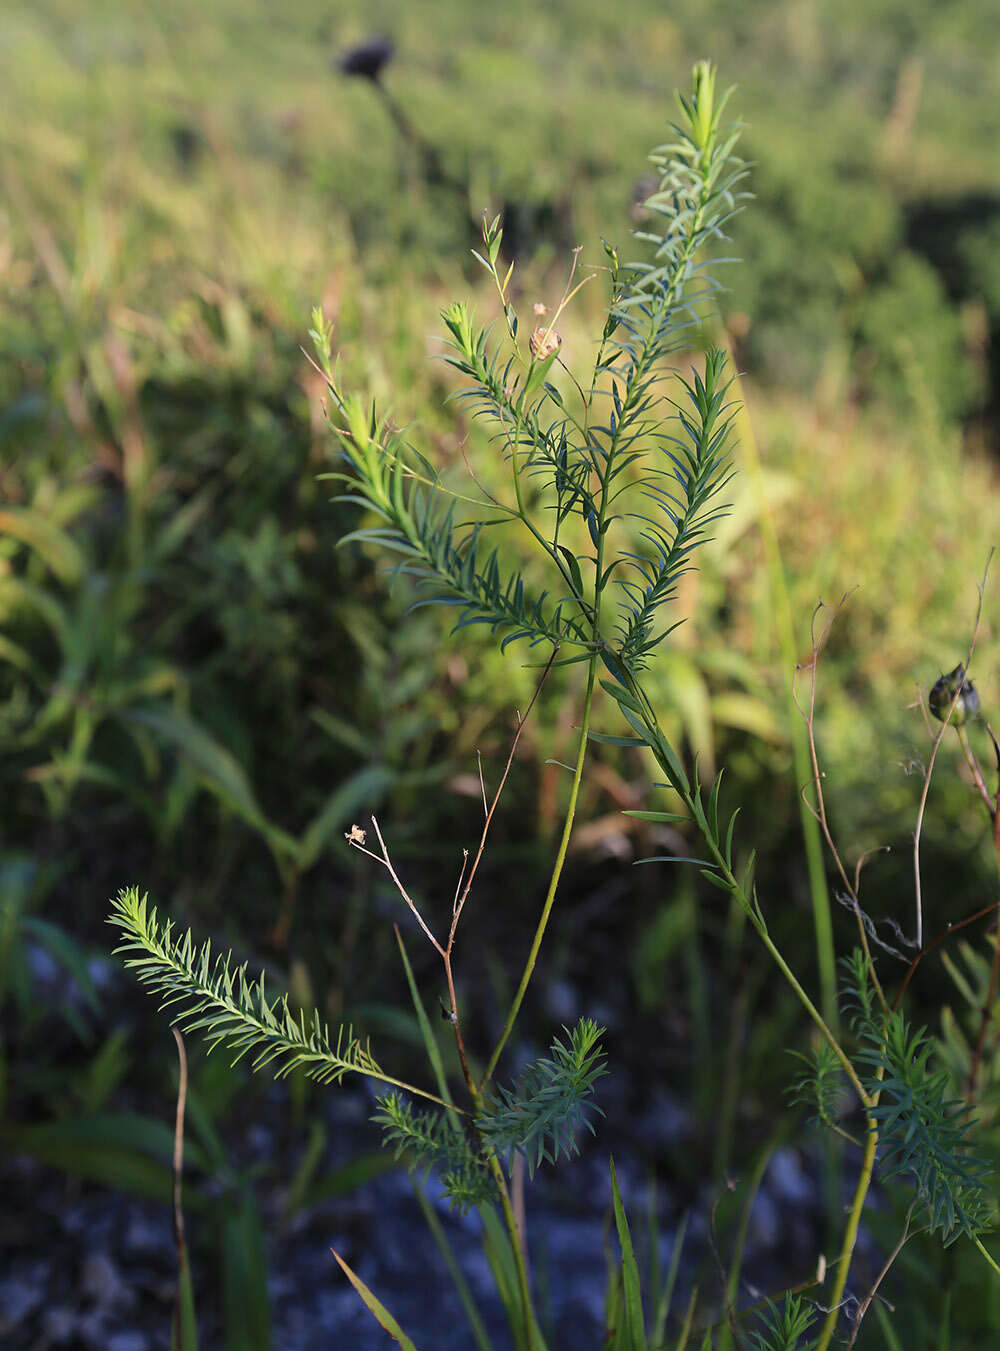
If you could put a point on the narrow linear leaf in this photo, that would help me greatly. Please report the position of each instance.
(634, 1322)
(375, 1306)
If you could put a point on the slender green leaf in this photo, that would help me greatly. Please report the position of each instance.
(184, 1333)
(377, 1308)
(634, 1322)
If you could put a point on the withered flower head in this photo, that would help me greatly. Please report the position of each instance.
(945, 690)
(544, 342)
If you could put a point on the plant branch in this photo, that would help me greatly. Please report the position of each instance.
(550, 895)
(934, 750)
(819, 811)
(461, 898)
(851, 1231)
(866, 1302)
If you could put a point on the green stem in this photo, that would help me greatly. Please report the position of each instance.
(851, 1232)
(581, 755)
(454, 1270)
(515, 1242)
(814, 1014)
(979, 1244)
(765, 937)
(822, 920)
(411, 1088)
(553, 881)
(493, 1163)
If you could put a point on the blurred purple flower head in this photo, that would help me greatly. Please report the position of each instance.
(367, 58)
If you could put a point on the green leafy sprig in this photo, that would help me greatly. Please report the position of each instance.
(427, 1139)
(208, 995)
(785, 1327)
(924, 1132)
(541, 1115)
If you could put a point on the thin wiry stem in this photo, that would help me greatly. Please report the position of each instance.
(866, 1302)
(491, 810)
(933, 755)
(550, 896)
(991, 993)
(386, 862)
(458, 904)
(946, 932)
(180, 1241)
(819, 811)
(976, 772)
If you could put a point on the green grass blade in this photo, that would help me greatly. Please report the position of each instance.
(682, 1341)
(892, 1342)
(184, 1334)
(375, 1305)
(496, 1242)
(454, 1270)
(663, 1308)
(247, 1309)
(634, 1322)
(426, 1030)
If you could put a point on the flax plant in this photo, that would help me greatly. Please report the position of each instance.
(635, 442)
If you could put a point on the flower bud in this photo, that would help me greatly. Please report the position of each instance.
(944, 691)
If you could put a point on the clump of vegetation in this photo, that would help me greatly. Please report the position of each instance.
(587, 456)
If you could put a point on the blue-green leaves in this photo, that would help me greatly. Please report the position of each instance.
(924, 1133)
(698, 193)
(442, 555)
(785, 1327)
(684, 498)
(567, 465)
(541, 1115)
(428, 1139)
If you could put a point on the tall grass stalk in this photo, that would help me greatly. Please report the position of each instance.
(788, 649)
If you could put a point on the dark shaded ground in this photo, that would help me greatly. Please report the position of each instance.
(88, 1269)
(84, 1268)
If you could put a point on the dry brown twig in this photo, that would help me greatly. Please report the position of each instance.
(866, 1302)
(356, 838)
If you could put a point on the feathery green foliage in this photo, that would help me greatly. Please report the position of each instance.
(443, 555)
(820, 1085)
(208, 995)
(572, 462)
(541, 1115)
(924, 1133)
(428, 1139)
(784, 1328)
(685, 496)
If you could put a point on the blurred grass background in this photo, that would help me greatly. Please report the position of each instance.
(199, 691)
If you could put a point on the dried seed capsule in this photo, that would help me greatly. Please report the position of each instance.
(943, 692)
(544, 342)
